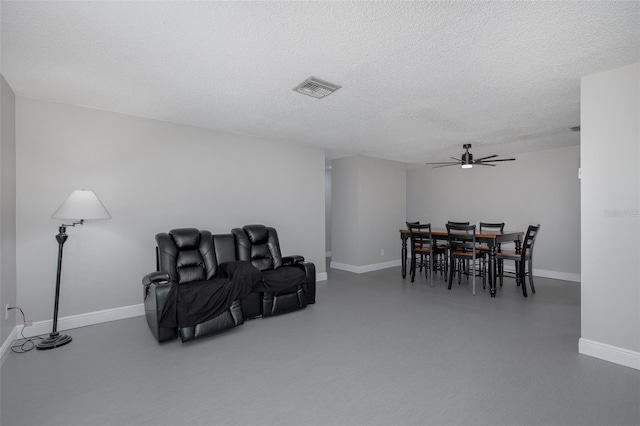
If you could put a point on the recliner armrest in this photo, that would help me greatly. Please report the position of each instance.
(289, 260)
(155, 277)
(310, 271)
(156, 289)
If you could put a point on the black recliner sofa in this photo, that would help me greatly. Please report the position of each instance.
(204, 285)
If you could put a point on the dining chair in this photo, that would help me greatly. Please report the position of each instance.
(414, 242)
(492, 227)
(422, 245)
(525, 254)
(445, 246)
(463, 251)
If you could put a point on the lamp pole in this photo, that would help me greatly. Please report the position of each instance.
(56, 339)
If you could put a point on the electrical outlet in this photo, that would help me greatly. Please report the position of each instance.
(6, 311)
(381, 252)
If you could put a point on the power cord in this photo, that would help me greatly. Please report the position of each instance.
(29, 342)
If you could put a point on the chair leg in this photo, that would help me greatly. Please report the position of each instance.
(445, 262)
(413, 268)
(451, 269)
(484, 274)
(427, 265)
(431, 265)
(522, 275)
(472, 270)
(533, 289)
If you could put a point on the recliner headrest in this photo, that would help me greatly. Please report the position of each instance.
(257, 233)
(186, 238)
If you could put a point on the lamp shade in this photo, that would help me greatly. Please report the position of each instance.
(81, 205)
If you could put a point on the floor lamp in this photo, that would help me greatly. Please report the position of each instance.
(81, 205)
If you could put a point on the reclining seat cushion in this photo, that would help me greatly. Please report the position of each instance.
(205, 289)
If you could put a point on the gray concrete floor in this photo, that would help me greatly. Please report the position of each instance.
(374, 350)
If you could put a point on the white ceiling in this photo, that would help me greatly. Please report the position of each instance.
(419, 79)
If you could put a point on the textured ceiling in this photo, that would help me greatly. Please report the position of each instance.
(419, 79)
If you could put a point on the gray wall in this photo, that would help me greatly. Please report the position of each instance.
(610, 187)
(152, 176)
(327, 210)
(8, 290)
(368, 209)
(539, 187)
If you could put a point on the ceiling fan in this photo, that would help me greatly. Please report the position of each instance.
(467, 161)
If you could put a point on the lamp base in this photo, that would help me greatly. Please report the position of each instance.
(53, 341)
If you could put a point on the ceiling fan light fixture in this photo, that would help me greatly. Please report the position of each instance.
(466, 162)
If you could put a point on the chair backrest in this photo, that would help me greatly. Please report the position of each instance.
(457, 223)
(259, 245)
(491, 226)
(187, 255)
(420, 235)
(461, 237)
(529, 240)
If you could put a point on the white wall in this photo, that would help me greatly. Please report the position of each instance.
(8, 291)
(152, 176)
(368, 209)
(539, 187)
(327, 210)
(610, 187)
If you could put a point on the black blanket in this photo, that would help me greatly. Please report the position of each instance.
(199, 301)
(285, 277)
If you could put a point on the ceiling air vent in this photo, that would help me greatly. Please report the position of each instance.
(575, 129)
(316, 87)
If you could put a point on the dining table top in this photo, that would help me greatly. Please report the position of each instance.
(442, 232)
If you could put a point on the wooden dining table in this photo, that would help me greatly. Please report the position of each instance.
(491, 239)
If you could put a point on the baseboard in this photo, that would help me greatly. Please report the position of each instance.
(556, 275)
(321, 276)
(609, 353)
(365, 268)
(83, 320)
(6, 345)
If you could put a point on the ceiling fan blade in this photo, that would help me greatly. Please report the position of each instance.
(454, 158)
(501, 159)
(446, 165)
(445, 162)
(484, 164)
(484, 158)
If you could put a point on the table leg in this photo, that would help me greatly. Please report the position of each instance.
(403, 255)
